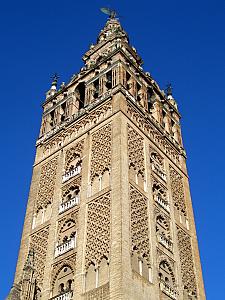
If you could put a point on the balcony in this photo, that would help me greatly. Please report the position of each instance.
(158, 170)
(71, 174)
(162, 202)
(65, 247)
(165, 241)
(168, 290)
(68, 204)
(64, 296)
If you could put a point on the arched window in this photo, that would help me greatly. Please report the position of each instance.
(63, 282)
(167, 279)
(157, 164)
(69, 284)
(162, 226)
(166, 273)
(61, 288)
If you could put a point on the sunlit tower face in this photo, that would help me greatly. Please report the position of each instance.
(109, 214)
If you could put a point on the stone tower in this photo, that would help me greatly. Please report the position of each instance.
(109, 214)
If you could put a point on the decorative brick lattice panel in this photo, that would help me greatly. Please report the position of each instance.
(186, 260)
(98, 230)
(101, 151)
(139, 224)
(177, 189)
(39, 243)
(136, 151)
(47, 184)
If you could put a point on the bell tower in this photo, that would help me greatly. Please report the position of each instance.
(109, 214)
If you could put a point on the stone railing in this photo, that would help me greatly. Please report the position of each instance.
(158, 170)
(162, 202)
(65, 296)
(165, 241)
(67, 246)
(168, 290)
(71, 173)
(68, 204)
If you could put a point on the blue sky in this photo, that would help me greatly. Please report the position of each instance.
(180, 42)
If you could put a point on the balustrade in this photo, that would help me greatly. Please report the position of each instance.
(64, 206)
(63, 248)
(71, 173)
(64, 296)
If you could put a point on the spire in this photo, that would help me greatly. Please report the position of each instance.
(112, 29)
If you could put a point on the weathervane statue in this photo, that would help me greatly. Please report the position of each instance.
(110, 12)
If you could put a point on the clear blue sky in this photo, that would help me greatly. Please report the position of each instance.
(182, 42)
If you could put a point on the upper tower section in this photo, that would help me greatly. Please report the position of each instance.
(111, 64)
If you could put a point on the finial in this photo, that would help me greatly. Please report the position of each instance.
(169, 94)
(169, 89)
(55, 78)
(110, 12)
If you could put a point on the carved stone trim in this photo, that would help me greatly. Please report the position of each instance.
(80, 126)
(153, 133)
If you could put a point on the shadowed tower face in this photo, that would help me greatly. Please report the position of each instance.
(109, 214)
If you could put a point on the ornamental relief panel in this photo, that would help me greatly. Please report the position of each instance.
(66, 188)
(70, 195)
(139, 226)
(177, 189)
(72, 154)
(166, 275)
(39, 244)
(98, 231)
(46, 184)
(72, 132)
(153, 133)
(101, 151)
(136, 152)
(67, 227)
(186, 262)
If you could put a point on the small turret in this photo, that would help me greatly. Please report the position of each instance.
(53, 88)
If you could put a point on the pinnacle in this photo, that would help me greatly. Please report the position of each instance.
(112, 28)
